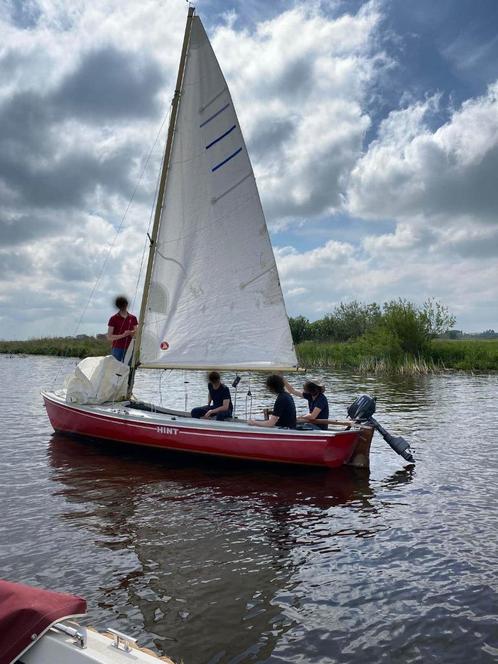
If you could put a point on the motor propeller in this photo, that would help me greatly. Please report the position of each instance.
(362, 410)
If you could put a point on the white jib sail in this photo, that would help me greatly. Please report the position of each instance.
(215, 298)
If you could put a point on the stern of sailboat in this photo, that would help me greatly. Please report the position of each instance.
(361, 455)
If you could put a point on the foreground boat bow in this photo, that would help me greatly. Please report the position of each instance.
(35, 625)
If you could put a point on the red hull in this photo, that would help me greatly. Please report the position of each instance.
(124, 425)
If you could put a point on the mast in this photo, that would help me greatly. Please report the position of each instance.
(160, 197)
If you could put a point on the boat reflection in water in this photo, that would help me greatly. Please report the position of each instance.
(200, 560)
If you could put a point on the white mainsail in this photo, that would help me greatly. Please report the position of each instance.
(214, 299)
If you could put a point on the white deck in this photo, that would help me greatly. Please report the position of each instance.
(122, 410)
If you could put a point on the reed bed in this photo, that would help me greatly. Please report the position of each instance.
(440, 355)
(466, 354)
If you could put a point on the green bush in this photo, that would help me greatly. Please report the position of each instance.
(347, 321)
(405, 328)
(300, 329)
(398, 322)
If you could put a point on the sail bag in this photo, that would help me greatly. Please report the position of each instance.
(97, 380)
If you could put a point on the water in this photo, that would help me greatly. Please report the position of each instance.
(210, 561)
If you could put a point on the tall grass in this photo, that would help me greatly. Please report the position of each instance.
(468, 354)
(439, 355)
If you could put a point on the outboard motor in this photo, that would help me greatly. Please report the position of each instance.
(362, 410)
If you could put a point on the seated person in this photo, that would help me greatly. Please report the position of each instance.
(317, 402)
(284, 409)
(219, 400)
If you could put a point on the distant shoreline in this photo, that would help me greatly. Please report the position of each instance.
(80, 347)
(442, 354)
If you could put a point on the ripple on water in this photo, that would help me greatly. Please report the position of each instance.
(217, 562)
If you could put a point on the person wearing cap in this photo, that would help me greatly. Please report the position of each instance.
(121, 329)
(317, 402)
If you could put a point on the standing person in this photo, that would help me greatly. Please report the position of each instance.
(284, 409)
(219, 400)
(121, 329)
(317, 402)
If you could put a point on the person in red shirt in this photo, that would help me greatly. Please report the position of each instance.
(122, 328)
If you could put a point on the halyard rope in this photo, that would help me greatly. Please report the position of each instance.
(111, 244)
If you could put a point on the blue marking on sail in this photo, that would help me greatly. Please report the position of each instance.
(220, 137)
(215, 115)
(225, 160)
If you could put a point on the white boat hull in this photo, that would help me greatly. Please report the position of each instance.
(57, 648)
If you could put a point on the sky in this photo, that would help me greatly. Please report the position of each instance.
(372, 127)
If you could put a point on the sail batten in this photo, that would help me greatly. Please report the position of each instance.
(215, 115)
(214, 298)
(203, 108)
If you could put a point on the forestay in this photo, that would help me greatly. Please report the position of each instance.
(215, 298)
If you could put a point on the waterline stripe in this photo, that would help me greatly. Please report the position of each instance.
(220, 137)
(225, 160)
(215, 115)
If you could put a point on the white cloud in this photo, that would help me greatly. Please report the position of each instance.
(386, 268)
(302, 84)
(411, 172)
(439, 187)
(75, 151)
(66, 172)
(299, 83)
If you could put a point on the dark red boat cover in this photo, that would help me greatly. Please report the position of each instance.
(26, 613)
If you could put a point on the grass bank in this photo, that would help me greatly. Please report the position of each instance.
(60, 346)
(467, 354)
(441, 354)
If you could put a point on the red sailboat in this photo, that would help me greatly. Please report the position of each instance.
(125, 423)
(212, 297)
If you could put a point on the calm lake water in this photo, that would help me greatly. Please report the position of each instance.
(210, 561)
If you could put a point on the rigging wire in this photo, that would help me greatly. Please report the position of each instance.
(249, 399)
(164, 372)
(147, 240)
(120, 227)
(185, 383)
(111, 244)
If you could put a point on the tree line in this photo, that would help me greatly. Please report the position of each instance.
(398, 327)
